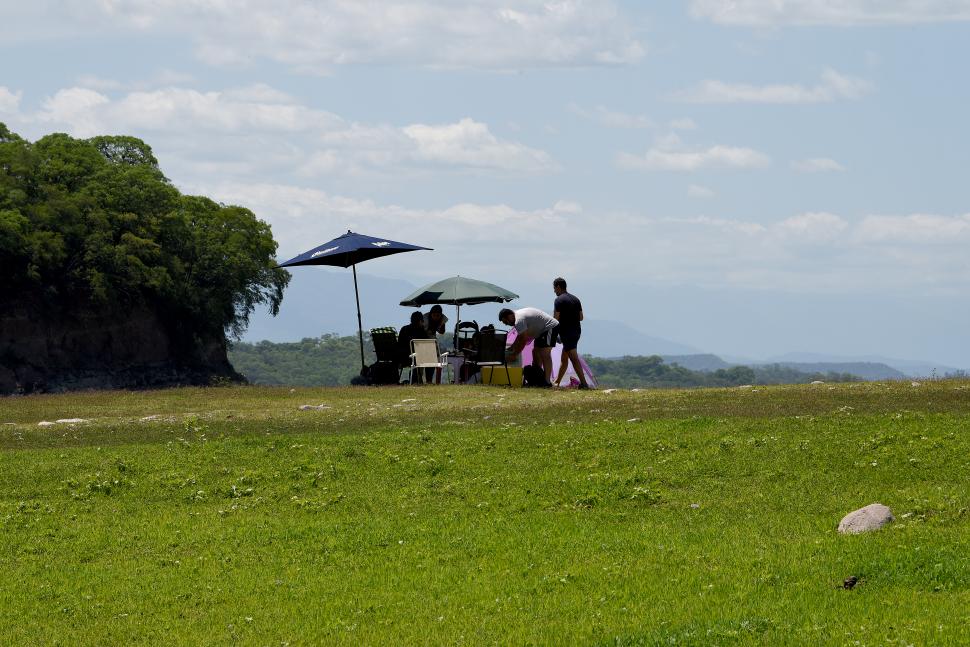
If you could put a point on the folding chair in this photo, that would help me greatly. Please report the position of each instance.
(424, 354)
(466, 342)
(491, 351)
(385, 348)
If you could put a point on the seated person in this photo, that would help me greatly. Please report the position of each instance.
(413, 330)
(434, 325)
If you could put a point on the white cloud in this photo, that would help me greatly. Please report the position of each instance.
(302, 217)
(612, 118)
(88, 112)
(316, 35)
(78, 107)
(258, 127)
(698, 191)
(831, 87)
(163, 78)
(684, 123)
(809, 252)
(9, 100)
(817, 165)
(813, 252)
(95, 82)
(812, 228)
(759, 13)
(469, 143)
(670, 155)
(915, 229)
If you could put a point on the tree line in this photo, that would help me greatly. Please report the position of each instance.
(332, 360)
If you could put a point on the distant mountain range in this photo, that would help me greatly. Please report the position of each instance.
(615, 339)
(321, 300)
(865, 370)
(911, 368)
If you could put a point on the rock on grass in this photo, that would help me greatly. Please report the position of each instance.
(871, 517)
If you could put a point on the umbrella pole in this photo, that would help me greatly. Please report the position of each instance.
(454, 343)
(360, 326)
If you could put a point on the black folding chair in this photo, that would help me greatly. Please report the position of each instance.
(490, 351)
(386, 350)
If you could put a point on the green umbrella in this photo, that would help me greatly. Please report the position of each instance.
(458, 291)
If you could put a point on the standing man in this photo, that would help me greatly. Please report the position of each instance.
(532, 324)
(568, 311)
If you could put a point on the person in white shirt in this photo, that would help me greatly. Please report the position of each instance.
(532, 324)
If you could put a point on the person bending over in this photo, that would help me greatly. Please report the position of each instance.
(434, 322)
(568, 311)
(532, 324)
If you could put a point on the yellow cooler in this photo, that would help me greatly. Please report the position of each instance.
(495, 375)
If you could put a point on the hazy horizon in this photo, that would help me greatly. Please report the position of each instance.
(321, 300)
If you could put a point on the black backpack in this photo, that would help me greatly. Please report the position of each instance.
(533, 375)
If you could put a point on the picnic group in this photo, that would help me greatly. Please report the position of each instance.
(533, 325)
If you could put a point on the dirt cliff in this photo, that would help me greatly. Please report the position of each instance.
(44, 349)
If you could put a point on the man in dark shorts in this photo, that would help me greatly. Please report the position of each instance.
(568, 311)
(532, 324)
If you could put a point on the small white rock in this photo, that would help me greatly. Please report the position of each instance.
(915, 383)
(44, 423)
(633, 420)
(313, 407)
(818, 382)
(70, 421)
(608, 390)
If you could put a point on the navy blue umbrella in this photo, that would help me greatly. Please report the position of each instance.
(347, 251)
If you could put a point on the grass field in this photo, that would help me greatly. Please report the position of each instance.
(478, 515)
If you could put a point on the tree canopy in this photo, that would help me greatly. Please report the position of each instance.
(95, 223)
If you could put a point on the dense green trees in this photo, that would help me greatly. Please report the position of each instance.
(94, 224)
(653, 372)
(332, 361)
(329, 360)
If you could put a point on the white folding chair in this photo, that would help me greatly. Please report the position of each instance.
(424, 354)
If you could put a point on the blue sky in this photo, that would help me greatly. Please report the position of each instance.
(750, 177)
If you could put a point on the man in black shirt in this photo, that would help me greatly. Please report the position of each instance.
(568, 311)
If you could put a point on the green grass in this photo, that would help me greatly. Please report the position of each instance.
(477, 515)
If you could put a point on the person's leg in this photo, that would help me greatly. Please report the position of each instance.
(563, 363)
(578, 367)
(546, 354)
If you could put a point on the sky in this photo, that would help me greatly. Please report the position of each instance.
(749, 177)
